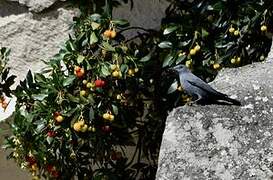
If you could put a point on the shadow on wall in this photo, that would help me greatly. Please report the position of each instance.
(11, 8)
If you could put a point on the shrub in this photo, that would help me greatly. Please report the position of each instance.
(6, 79)
(104, 94)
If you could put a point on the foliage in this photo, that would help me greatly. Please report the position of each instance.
(207, 35)
(6, 80)
(105, 94)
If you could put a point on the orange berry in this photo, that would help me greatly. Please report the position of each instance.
(107, 33)
(113, 34)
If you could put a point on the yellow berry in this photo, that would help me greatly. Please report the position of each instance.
(115, 73)
(93, 129)
(263, 28)
(192, 52)
(189, 63)
(111, 117)
(83, 93)
(262, 58)
(136, 70)
(77, 126)
(231, 30)
(236, 33)
(81, 122)
(59, 118)
(238, 60)
(89, 85)
(119, 97)
(106, 116)
(84, 128)
(216, 66)
(130, 72)
(233, 61)
(197, 48)
(84, 81)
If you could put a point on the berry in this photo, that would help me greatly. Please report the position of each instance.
(115, 73)
(84, 81)
(106, 129)
(233, 61)
(83, 93)
(189, 63)
(263, 28)
(131, 72)
(136, 70)
(107, 33)
(51, 133)
(231, 30)
(79, 72)
(84, 128)
(106, 116)
(216, 66)
(192, 52)
(119, 97)
(113, 34)
(77, 126)
(197, 48)
(236, 33)
(111, 117)
(99, 83)
(59, 118)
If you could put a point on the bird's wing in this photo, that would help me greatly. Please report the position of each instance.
(196, 81)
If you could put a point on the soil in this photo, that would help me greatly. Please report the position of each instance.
(8, 168)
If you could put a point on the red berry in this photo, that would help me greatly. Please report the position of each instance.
(49, 168)
(106, 129)
(31, 160)
(55, 173)
(99, 83)
(51, 133)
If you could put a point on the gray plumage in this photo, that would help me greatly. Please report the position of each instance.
(200, 91)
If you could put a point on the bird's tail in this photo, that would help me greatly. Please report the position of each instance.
(233, 101)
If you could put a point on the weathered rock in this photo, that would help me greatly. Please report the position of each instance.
(33, 37)
(223, 142)
(36, 6)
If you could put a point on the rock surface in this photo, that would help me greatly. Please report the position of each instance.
(223, 142)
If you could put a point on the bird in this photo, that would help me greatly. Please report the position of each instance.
(200, 92)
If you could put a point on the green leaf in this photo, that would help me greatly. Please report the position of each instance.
(168, 60)
(169, 30)
(73, 98)
(105, 70)
(173, 87)
(93, 38)
(204, 33)
(95, 17)
(95, 25)
(69, 80)
(121, 22)
(146, 58)
(165, 44)
(124, 68)
(108, 47)
(80, 59)
(39, 97)
(180, 59)
(115, 109)
(91, 113)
